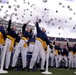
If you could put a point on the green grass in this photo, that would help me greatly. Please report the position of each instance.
(54, 72)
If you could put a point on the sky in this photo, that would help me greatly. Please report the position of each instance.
(58, 17)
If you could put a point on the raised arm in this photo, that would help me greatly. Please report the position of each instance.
(9, 24)
(4, 35)
(38, 28)
(67, 43)
(37, 25)
(24, 26)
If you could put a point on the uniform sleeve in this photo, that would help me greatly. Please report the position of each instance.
(16, 35)
(23, 28)
(38, 28)
(68, 45)
(9, 25)
(51, 46)
(67, 53)
(56, 47)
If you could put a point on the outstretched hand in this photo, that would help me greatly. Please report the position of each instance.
(28, 21)
(37, 18)
(11, 17)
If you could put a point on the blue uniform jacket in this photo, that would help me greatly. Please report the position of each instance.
(42, 35)
(3, 32)
(25, 33)
(10, 32)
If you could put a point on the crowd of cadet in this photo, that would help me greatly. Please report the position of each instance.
(33, 49)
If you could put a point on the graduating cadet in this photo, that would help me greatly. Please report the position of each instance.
(9, 43)
(22, 46)
(74, 56)
(41, 41)
(60, 49)
(70, 56)
(65, 55)
(56, 54)
(31, 43)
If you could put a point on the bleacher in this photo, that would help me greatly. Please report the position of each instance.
(62, 39)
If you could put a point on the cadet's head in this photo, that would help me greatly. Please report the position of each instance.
(13, 27)
(56, 43)
(29, 29)
(43, 29)
(61, 46)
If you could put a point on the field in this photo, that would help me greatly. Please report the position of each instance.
(53, 70)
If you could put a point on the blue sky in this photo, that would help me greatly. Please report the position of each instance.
(55, 14)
